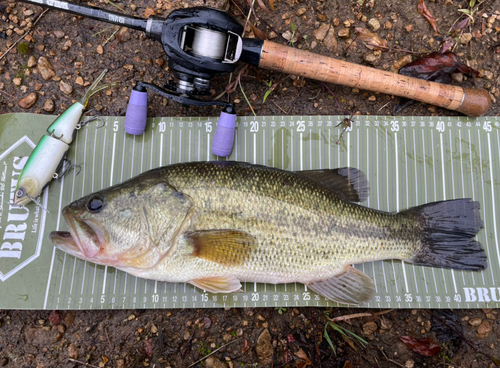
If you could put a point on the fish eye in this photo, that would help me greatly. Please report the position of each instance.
(20, 193)
(95, 204)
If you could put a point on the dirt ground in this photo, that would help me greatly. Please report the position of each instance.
(78, 49)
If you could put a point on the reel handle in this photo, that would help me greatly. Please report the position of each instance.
(471, 102)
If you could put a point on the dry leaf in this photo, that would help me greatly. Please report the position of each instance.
(246, 347)
(257, 32)
(55, 318)
(271, 3)
(105, 359)
(370, 39)
(425, 347)
(302, 361)
(351, 344)
(422, 9)
(263, 6)
(149, 12)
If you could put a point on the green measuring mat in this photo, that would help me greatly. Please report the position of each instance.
(408, 161)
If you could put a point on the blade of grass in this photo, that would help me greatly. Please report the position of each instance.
(328, 339)
(116, 6)
(246, 99)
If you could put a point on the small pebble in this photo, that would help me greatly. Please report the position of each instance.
(65, 87)
(73, 352)
(369, 328)
(474, 322)
(31, 62)
(484, 329)
(45, 68)
(26, 103)
(301, 12)
(344, 33)
(374, 24)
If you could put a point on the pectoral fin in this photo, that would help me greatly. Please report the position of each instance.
(226, 247)
(350, 287)
(222, 284)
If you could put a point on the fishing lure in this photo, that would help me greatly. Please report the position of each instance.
(50, 152)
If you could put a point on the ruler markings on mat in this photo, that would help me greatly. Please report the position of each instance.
(408, 161)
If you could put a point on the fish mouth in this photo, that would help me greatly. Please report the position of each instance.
(85, 239)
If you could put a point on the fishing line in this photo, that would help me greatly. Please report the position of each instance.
(37, 203)
(209, 43)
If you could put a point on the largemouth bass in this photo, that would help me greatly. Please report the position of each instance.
(217, 224)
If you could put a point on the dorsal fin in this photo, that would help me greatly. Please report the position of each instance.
(350, 183)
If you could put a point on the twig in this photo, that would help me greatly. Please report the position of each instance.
(8, 94)
(392, 361)
(239, 6)
(110, 37)
(275, 104)
(358, 315)
(384, 106)
(105, 330)
(213, 352)
(23, 37)
(85, 364)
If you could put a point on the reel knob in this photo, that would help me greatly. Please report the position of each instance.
(137, 111)
(222, 144)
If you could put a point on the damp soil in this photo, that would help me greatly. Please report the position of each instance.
(78, 49)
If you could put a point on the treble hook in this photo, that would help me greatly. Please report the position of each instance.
(85, 122)
(67, 166)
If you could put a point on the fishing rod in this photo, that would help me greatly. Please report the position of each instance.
(201, 43)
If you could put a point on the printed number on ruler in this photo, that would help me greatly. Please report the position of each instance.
(394, 126)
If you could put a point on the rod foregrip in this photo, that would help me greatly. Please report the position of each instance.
(471, 102)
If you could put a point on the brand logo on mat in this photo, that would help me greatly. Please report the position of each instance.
(482, 294)
(21, 228)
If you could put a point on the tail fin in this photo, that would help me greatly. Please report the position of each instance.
(448, 230)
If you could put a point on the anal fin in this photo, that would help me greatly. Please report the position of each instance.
(218, 284)
(350, 287)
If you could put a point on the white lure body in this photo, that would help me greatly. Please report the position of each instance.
(47, 156)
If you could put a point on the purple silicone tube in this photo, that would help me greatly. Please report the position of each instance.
(137, 113)
(222, 144)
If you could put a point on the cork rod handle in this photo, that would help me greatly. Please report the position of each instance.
(471, 102)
